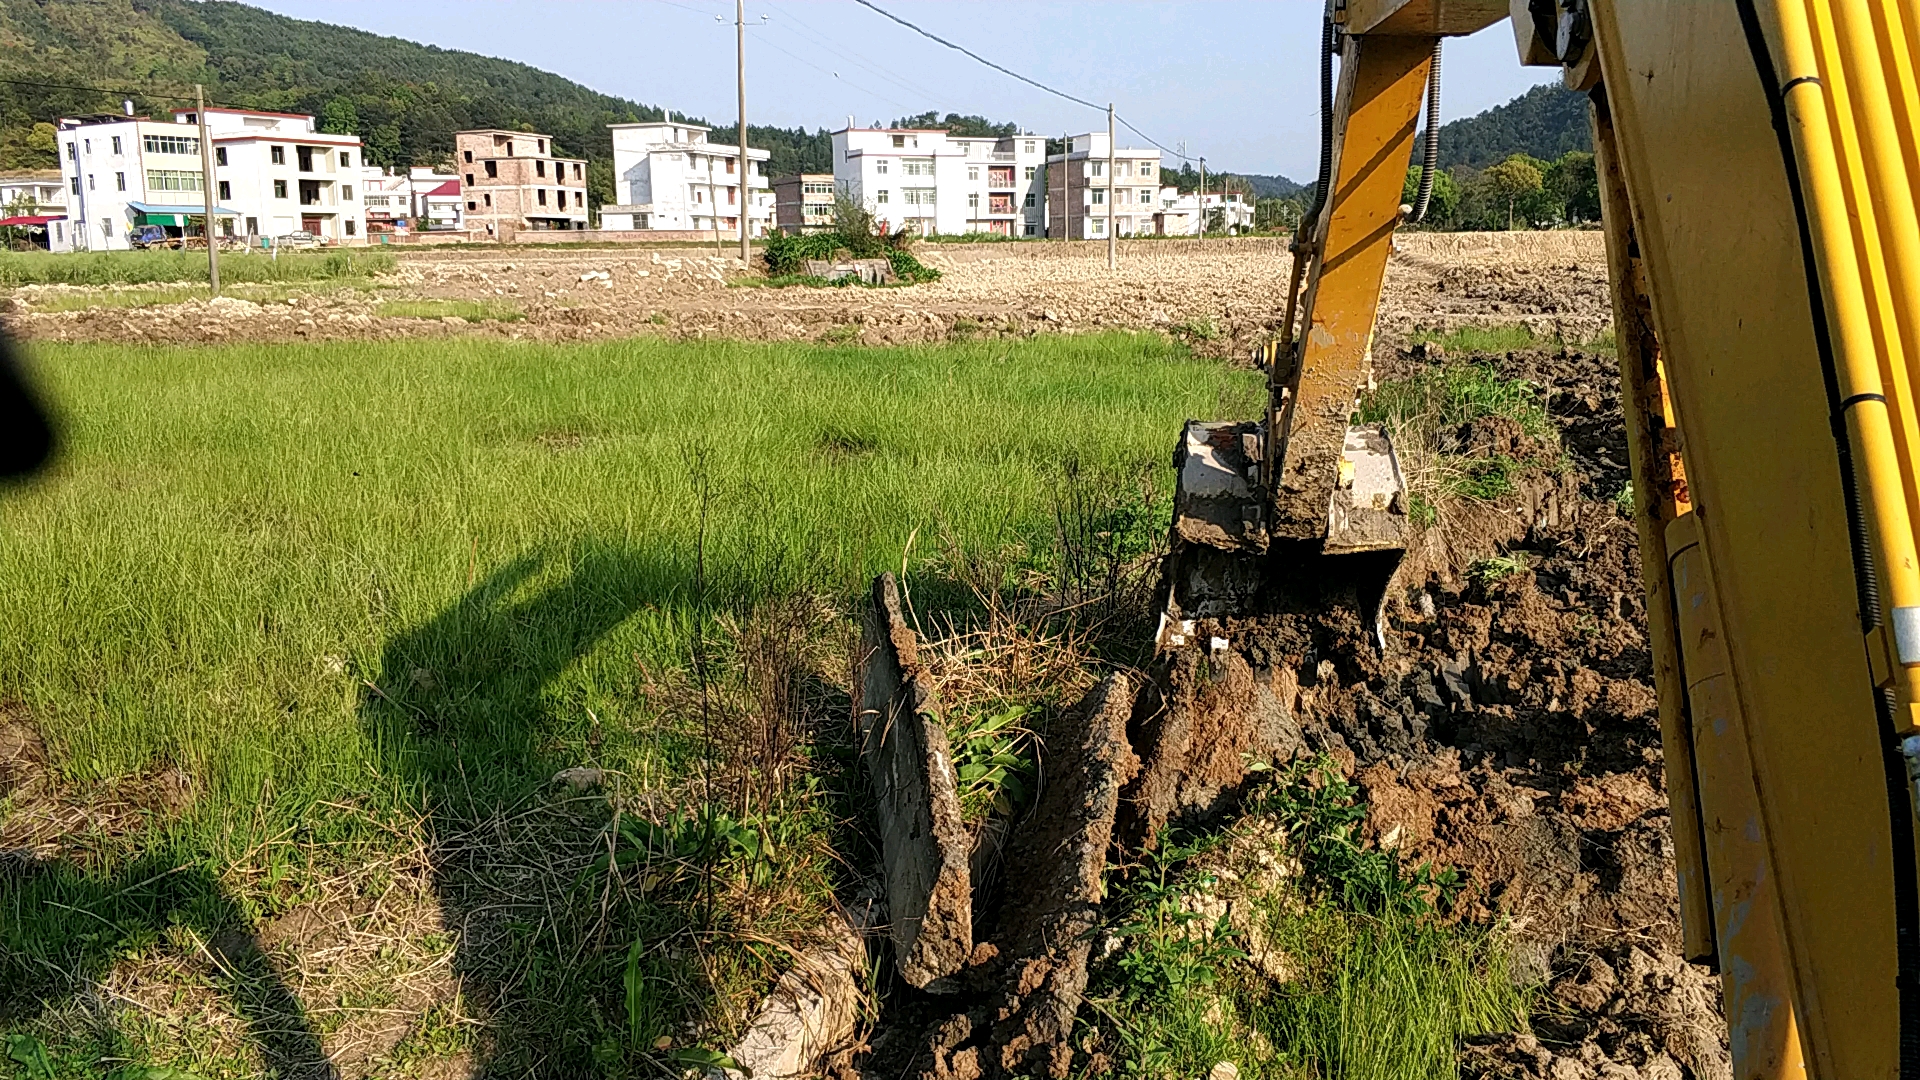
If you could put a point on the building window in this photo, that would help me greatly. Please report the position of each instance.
(226, 191)
(881, 198)
(1099, 198)
(973, 172)
(542, 144)
(346, 162)
(350, 226)
(75, 182)
(277, 154)
(253, 226)
(1029, 148)
(471, 205)
(919, 166)
(73, 152)
(487, 199)
(171, 144)
(86, 145)
(90, 181)
(116, 146)
(1028, 175)
(469, 179)
(973, 202)
(279, 187)
(467, 156)
(880, 166)
(1099, 227)
(219, 154)
(899, 140)
(730, 164)
(1099, 168)
(540, 168)
(576, 170)
(560, 198)
(120, 183)
(1032, 229)
(493, 170)
(1146, 196)
(1146, 169)
(922, 196)
(1029, 200)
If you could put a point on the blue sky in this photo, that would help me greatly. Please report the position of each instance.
(1233, 81)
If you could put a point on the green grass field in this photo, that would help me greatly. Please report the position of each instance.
(307, 631)
(164, 266)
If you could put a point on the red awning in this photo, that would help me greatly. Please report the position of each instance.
(32, 219)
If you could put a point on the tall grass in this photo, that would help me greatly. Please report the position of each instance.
(154, 267)
(374, 596)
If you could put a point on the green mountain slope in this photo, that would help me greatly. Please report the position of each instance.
(1545, 122)
(403, 99)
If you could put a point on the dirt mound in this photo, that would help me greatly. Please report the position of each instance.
(1514, 737)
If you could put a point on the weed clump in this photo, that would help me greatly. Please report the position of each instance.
(855, 232)
(1286, 947)
(1462, 431)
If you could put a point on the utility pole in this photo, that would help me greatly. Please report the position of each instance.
(1066, 186)
(1113, 257)
(740, 65)
(1203, 197)
(208, 188)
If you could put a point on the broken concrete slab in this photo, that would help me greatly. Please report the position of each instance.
(811, 1013)
(1056, 863)
(924, 844)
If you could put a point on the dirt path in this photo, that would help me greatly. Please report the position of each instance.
(1221, 295)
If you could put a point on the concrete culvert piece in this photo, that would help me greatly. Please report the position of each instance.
(924, 844)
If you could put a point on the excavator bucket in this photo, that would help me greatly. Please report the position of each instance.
(1303, 509)
(1225, 561)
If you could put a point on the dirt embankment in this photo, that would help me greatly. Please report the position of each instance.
(1512, 733)
(1222, 295)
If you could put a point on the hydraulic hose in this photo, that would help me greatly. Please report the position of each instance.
(1430, 160)
(1326, 121)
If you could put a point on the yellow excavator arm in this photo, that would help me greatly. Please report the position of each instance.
(1758, 162)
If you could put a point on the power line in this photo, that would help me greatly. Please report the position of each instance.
(977, 56)
(1009, 71)
(817, 36)
(834, 75)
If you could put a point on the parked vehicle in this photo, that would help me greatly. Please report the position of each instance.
(152, 236)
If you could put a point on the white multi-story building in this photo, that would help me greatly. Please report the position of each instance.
(928, 181)
(666, 175)
(39, 189)
(1180, 215)
(386, 197)
(275, 175)
(436, 199)
(1084, 202)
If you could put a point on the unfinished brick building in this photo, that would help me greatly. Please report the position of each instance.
(512, 183)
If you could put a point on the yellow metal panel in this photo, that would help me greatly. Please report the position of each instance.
(1424, 18)
(1382, 83)
(1715, 221)
(1643, 403)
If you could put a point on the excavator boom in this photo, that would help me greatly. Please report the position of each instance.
(1759, 167)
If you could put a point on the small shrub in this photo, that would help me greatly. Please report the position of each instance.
(1623, 499)
(909, 269)
(787, 253)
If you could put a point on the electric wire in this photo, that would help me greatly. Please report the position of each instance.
(1009, 71)
(820, 37)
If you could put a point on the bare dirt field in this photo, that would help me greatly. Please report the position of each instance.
(1219, 295)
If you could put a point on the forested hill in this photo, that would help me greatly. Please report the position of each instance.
(1544, 122)
(403, 99)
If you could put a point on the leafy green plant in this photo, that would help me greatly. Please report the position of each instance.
(1497, 567)
(1484, 478)
(1623, 499)
(787, 253)
(909, 269)
(994, 760)
(1321, 813)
